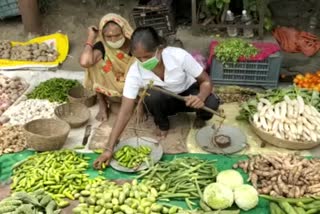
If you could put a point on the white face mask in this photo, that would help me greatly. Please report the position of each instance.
(117, 44)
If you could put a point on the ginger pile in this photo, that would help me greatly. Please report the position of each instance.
(289, 176)
(38, 52)
(12, 139)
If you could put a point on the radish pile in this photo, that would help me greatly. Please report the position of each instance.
(290, 119)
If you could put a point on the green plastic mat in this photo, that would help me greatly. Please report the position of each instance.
(223, 163)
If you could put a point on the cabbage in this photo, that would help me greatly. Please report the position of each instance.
(246, 197)
(218, 196)
(230, 177)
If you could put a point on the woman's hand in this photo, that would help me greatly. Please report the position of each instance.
(93, 32)
(104, 158)
(194, 102)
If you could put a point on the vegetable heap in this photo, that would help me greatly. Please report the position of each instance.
(108, 197)
(290, 119)
(131, 157)
(289, 176)
(293, 205)
(59, 173)
(10, 90)
(31, 109)
(38, 52)
(230, 50)
(36, 202)
(282, 112)
(228, 189)
(54, 90)
(180, 178)
(12, 139)
(309, 81)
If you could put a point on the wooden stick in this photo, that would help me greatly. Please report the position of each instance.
(179, 97)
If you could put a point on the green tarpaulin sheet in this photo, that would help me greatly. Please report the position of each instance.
(223, 163)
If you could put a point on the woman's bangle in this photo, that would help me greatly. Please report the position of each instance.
(89, 44)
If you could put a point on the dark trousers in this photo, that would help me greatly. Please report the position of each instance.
(161, 106)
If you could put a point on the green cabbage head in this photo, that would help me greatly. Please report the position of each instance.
(246, 197)
(218, 196)
(230, 178)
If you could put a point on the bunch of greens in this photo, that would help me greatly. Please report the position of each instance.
(54, 90)
(249, 108)
(230, 50)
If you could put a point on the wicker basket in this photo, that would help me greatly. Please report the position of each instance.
(295, 145)
(76, 114)
(79, 94)
(46, 134)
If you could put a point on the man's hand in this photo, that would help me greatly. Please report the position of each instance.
(93, 32)
(194, 102)
(104, 158)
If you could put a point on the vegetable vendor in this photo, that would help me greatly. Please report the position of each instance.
(173, 69)
(106, 59)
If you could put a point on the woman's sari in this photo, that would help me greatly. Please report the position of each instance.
(108, 75)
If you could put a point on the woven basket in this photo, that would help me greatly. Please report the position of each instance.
(278, 142)
(79, 94)
(76, 114)
(46, 134)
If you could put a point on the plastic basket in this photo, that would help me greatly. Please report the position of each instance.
(158, 17)
(250, 73)
(9, 8)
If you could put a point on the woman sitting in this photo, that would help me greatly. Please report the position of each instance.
(106, 57)
(171, 68)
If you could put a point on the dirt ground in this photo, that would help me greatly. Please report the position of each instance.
(72, 17)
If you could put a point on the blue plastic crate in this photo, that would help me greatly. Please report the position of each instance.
(9, 8)
(250, 73)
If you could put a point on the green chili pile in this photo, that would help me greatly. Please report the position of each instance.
(54, 90)
(59, 173)
(131, 157)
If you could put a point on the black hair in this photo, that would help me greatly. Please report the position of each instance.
(148, 37)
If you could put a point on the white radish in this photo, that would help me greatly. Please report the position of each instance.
(277, 111)
(269, 123)
(283, 111)
(293, 128)
(256, 118)
(263, 111)
(290, 111)
(307, 124)
(313, 136)
(300, 104)
(286, 128)
(287, 100)
(265, 101)
(270, 113)
(307, 111)
(306, 137)
(314, 111)
(264, 123)
(260, 106)
(275, 125)
(281, 127)
(277, 134)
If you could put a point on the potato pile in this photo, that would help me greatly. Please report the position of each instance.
(289, 176)
(10, 90)
(12, 139)
(38, 52)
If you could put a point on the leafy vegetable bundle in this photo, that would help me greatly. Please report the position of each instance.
(230, 50)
